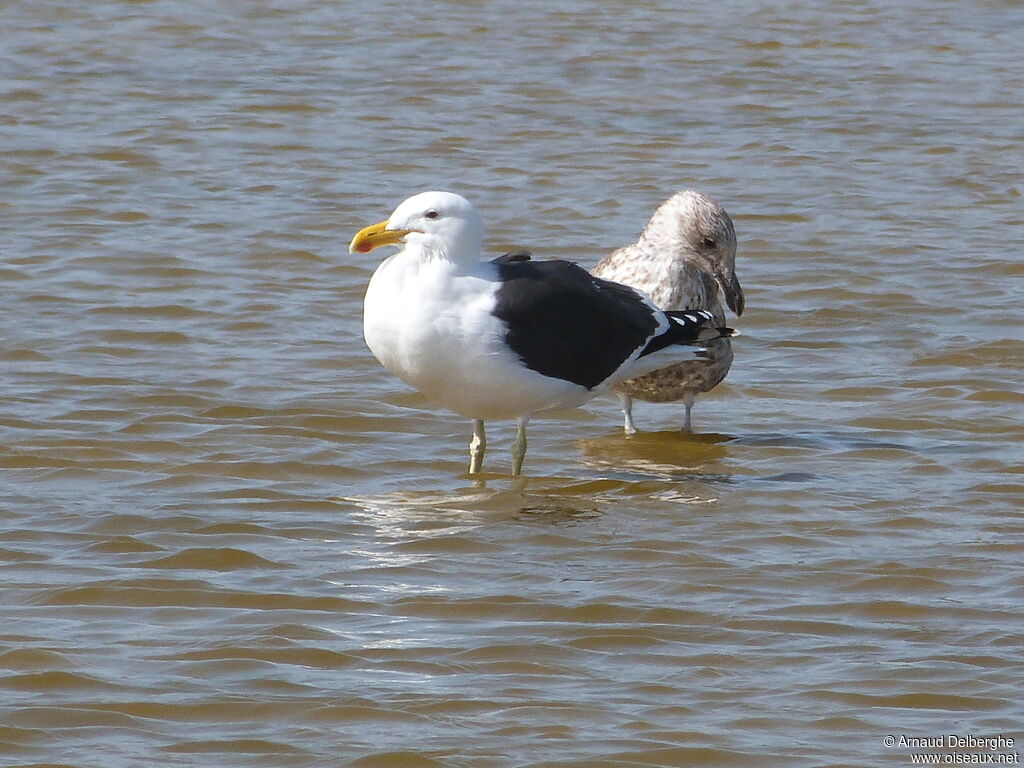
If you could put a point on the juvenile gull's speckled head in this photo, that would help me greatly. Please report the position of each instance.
(691, 227)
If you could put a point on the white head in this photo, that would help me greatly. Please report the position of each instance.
(432, 224)
(691, 227)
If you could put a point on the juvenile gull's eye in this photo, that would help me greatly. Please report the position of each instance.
(708, 242)
(432, 214)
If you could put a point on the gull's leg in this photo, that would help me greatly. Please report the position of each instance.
(627, 413)
(519, 445)
(688, 402)
(477, 446)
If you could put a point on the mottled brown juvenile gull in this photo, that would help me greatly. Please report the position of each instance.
(686, 253)
(511, 337)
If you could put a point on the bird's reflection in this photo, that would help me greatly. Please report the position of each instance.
(660, 454)
(669, 465)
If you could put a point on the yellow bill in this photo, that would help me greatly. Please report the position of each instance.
(374, 236)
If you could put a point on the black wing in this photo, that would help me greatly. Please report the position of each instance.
(565, 323)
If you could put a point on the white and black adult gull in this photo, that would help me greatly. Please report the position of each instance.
(686, 253)
(507, 338)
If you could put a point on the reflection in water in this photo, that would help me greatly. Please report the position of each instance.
(667, 455)
(563, 498)
(670, 466)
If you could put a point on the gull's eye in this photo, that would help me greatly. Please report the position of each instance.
(431, 214)
(709, 242)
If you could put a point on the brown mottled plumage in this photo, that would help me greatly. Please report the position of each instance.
(685, 254)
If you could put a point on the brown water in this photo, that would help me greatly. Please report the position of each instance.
(229, 538)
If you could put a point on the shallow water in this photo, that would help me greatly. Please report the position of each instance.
(228, 537)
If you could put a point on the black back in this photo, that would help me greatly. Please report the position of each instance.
(565, 323)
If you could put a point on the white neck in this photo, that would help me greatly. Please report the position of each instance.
(463, 252)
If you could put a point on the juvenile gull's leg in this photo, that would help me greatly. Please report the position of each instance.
(519, 445)
(477, 446)
(688, 399)
(627, 413)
